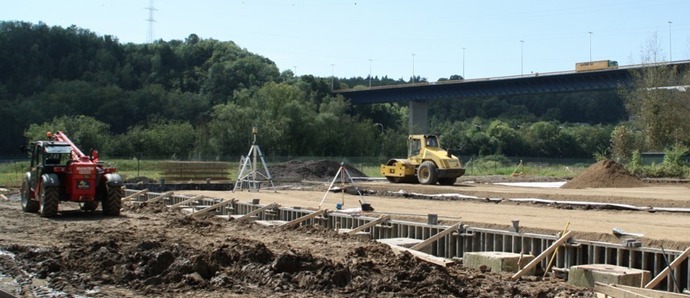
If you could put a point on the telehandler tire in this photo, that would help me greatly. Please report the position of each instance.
(28, 205)
(113, 201)
(50, 199)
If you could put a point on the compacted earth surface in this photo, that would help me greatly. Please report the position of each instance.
(154, 251)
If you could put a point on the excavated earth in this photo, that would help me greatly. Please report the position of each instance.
(151, 250)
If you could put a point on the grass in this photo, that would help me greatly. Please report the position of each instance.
(11, 173)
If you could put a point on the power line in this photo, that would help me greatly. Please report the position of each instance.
(150, 35)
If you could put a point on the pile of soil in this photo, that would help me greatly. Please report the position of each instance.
(167, 254)
(605, 173)
(318, 170)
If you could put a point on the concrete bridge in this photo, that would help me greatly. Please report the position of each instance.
(419, 94)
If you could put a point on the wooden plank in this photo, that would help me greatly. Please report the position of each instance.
(612, 291)
(3, 197)
(136, 194)
(161, 197)
(651, 292)
(213, 207)
(545, 253)
(369, 224)
(423, 256)
(5, 294)
(654, 282)
(257, 211)
(304, 218)
(434, 238)
(187, 201)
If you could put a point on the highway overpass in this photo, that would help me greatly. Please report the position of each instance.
(417, 95)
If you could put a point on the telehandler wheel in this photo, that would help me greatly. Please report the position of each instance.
(447, 181)
(426, 174)
(88, 206)
(113, 201)
(50, 198)
(392, 179)
(28, 205)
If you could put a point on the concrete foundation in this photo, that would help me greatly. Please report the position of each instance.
(496, 261)
(588, 275)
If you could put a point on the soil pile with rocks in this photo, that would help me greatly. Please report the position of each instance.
(141, 261)
(317, 170)
(605, 173)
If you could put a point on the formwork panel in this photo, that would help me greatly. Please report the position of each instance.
(473, 239)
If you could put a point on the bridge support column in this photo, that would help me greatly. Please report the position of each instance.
(418, 117)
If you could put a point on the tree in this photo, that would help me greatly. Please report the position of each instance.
(85, 132)
(656, 105)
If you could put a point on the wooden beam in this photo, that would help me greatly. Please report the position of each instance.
(160, 197)
(369, 224)
(3, 197)
(612, 291)
(545, 253)
(304, 218)
(180, 204)
(434, 238)
(423, 256)
(212, 207)
(257, 211)
(651, 292)
(654, 282)
(136, 194)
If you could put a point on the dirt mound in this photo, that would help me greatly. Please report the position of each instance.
(319, 170)
(232, 266)
(605, 173)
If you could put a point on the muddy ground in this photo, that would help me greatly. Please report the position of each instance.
(152, 251)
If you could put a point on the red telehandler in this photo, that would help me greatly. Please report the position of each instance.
(59, 171)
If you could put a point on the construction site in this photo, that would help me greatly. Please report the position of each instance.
(320, 228)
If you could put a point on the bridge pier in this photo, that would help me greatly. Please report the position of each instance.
(419, 115)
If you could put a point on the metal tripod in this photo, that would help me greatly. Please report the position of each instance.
(344, 174)
(249, 171)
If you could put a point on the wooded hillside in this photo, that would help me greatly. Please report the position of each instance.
(199, 98)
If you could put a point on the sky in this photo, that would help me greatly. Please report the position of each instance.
(395, 38)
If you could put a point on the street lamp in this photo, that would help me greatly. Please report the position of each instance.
(463, 63)
(370, 73)
(590, 46)
(522, 51)
(670, 50)
(412, 68)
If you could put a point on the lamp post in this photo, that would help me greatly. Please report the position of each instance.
(412, 68)
(370, 73)
(522, 51)
(590, 46)
(463, 63)
(670, 50)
